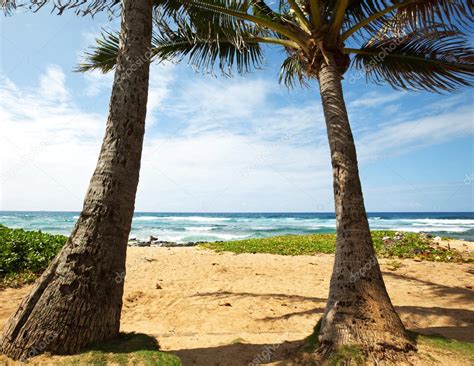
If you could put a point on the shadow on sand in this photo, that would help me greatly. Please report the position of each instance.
(243, 354)
(239, 354)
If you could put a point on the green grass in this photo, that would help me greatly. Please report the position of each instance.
(25, 254)
(465, 349)
(128, 349)
(410, 245)
(284, 245)
(347, 355)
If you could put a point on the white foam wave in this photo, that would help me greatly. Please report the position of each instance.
(440, 221)
(199, 228)
(146, 218)
(194, 218)
(417, 229)
(191, 234)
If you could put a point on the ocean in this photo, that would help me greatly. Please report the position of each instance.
(187, 227)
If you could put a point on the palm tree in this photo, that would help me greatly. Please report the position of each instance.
(409, 44)
(78, 300)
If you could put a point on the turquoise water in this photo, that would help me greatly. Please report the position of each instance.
(185, 227)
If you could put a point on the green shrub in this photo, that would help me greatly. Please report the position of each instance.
(24, 254)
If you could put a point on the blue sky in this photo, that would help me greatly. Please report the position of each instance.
(218, 144)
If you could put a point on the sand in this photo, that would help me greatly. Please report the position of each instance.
(222, 309)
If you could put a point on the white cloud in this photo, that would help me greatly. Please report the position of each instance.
(374, 99)
(49, 152)
(161, 77)
(208, 103)
(220, 171)
(52, 84)
(49, 146)
(403, 137)
(242, 106)
(231, 147)
(97, 82)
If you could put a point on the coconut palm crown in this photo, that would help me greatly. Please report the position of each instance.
(409, 44)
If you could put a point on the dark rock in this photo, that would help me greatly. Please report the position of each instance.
(138, 243)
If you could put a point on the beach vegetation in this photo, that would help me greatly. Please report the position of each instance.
(408, 246)
(126, 349)
(24, 255)
(437, 341)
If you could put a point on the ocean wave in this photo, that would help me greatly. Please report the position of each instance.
(146, 218)
(211, 227)
(195, 218)
(447, 229)
(439, 221)
(199, 228)
(198, 236)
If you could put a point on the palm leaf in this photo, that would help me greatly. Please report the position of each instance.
(356, 12)
(103, 56)
(436, 61)
(204, 48)
(423, 13)
(293, 72)
(379, 17)
(232, 12)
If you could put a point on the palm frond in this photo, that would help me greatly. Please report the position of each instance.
(358, 11)
(422, 13)
(104, 55)
(204, 48)
(379, 17)
(227, 48)
(232, 12)
(198, 12)
(293, 72)
(437, 61)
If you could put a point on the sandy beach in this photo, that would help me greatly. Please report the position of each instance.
(222, 309)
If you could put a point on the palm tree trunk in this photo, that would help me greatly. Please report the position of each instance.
(78, 300)
(359, 310)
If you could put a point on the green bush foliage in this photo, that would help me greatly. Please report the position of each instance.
(25, 254)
